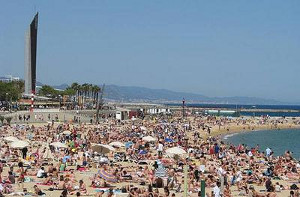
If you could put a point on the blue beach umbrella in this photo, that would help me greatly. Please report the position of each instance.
(168, 140)
(128, 144)
(143, 152)
(161, 171)
(66, 158)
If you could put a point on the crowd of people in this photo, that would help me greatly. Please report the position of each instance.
(142, 158)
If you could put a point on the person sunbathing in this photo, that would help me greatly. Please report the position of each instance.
(61, 184)
(82, 168)
(81, 189)
(71, 176)
(48, 180)
(98, 183)
(100, 194)
(38, 191)
(55, 173)
(50, 168)
(30, 172)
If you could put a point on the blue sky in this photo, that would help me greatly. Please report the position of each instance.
(215, 48)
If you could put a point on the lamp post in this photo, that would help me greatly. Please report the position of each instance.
(6, 100)
(183, 110)
(60, 101)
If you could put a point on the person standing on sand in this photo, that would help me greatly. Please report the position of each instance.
(160, 148)
(24, 152)
(217, 190)
(268, 152)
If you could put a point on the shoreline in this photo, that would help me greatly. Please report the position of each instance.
(225, 135)
(237, 129)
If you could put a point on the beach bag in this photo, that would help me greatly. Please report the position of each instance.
(294, 187)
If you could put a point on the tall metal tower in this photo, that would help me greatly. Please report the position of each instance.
(30, 56)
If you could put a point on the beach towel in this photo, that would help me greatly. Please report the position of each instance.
(47, 184)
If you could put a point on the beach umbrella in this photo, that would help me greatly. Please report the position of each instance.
(175, 151)
(128, 144)
(66, 132)
(103, 160)
(143, 128)
(59, 145)
(107, 176)
(102, 148)
(169, 140)
(48, 154)
(149, 139)
(65, 158)
(11, 139)
(117, 144)
(161, 171)
(143, 152)
(19, 144)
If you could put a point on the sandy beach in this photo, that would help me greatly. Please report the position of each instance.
(78, 157)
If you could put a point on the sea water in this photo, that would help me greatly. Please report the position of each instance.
(278, 140)
(282, 110)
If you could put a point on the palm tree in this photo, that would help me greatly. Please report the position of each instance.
(90, 92)
(96, 90)
(75, 86)
(85, 90)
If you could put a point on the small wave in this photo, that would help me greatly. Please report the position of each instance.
(229, 135)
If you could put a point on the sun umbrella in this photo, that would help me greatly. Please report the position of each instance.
(117, 144)
(11, 139)
(48, 154)
(128, 144)
(149, 139)
(59, 145)
(107, 176)
(160, 171)
(143, 152)
(66, 132)
(102, 148)
(168, 140)
(175, 151)
(19, 144)
(65, 158)
(143, 128)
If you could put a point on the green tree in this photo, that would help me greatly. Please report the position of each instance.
(69, 91)
(48, 91)
(11, 90)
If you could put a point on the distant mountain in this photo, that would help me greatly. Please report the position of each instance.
(141, 94)
(130, 93)
(134, 94)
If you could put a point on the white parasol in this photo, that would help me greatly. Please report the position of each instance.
(149, 139)
(117, 144)
(175, 151)
(102, 148)
(66, 132)
(11, 139)
(19, 144)
(59, 145)
(143, 128)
